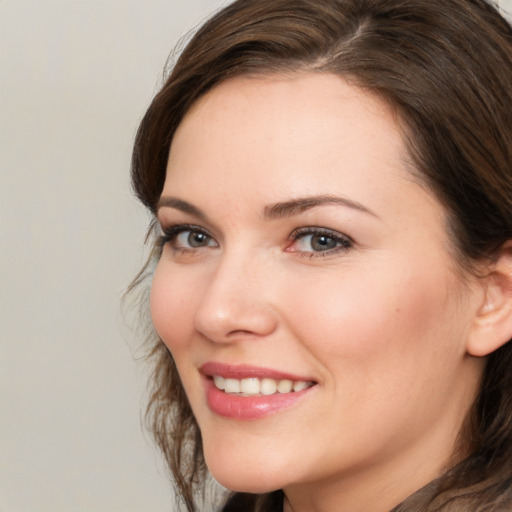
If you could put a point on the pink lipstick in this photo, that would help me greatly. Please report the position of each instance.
(248, 392)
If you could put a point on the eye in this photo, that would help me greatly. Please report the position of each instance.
(318, 240)
(192, 239)
(185, 237)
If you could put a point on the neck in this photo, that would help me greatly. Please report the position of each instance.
(378, 489)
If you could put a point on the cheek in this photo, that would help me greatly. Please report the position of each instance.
(384, 343)
(389, 313)
(172, 307)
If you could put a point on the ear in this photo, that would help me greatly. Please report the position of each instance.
(493, 322)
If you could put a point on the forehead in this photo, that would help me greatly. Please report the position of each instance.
(251, 142)
(284, 104)
(286, 126)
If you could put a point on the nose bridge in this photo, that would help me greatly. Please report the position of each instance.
(236, 299)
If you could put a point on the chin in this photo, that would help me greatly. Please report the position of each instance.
(250, 483)
(244, 476)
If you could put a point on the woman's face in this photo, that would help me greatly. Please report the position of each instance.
(302, 255)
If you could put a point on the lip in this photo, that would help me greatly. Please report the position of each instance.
(248, 407)
(235, 371)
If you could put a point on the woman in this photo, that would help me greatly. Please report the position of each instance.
(331, 183)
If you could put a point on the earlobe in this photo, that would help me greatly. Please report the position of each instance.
(493, 321)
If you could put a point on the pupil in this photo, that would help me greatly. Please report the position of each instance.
(197, 239)
(322, 243)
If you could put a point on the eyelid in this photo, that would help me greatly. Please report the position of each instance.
(318, 230)
(171, 232)
(345, 242)
(168, 219)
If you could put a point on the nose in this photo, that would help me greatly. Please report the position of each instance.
(236, 302)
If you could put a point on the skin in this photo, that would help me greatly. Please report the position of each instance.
(381, 326)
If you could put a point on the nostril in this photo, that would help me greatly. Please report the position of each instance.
(229, 322)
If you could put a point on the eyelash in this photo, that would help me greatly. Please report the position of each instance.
(172, 232)
(343, 242)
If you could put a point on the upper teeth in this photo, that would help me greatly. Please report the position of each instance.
(255, 386)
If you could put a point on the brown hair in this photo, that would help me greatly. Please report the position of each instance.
(446, 67)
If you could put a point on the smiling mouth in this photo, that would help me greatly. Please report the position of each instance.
(246, 392)
(254, 386)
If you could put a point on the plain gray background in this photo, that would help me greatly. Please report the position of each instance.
(75, 79)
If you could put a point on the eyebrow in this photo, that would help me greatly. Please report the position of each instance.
(274, 211)
(179, 204)
(302, 204)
